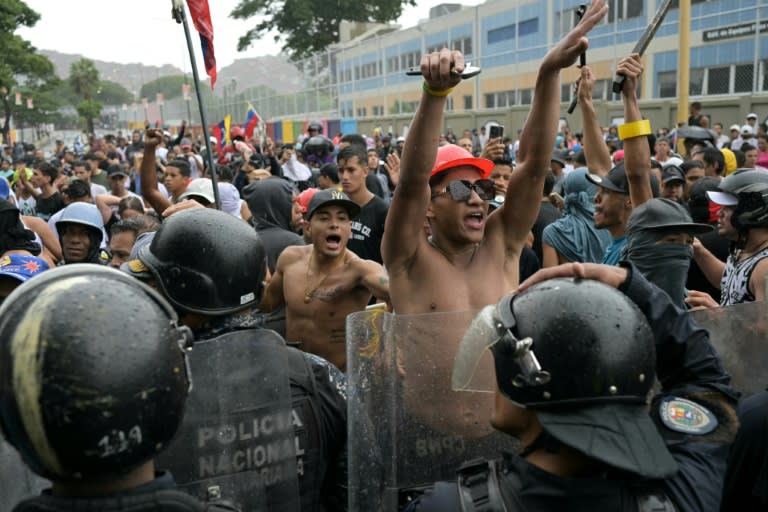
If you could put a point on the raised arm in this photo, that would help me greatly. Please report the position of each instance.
(595, 150)
(521, 206)
(637, 152)
(404, 226)
(149, 190)
(104, 203)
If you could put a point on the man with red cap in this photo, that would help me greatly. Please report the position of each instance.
(470, 258)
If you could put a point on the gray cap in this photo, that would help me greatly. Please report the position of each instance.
(660, 213)
(332, 196)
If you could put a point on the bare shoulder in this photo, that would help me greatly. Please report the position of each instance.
(293, 254)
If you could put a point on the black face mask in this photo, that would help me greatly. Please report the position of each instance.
(664, 264)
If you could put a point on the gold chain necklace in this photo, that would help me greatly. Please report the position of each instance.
(310, 294)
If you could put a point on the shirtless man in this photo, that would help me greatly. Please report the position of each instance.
(322, 283)
(457, 268)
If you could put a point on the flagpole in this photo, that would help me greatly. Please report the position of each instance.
(180, 17)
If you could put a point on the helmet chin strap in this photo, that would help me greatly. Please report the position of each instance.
(544, 441)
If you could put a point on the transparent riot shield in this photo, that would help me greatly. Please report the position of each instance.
(407, 427)
(17, 481)
(237, 441)
(740, 335)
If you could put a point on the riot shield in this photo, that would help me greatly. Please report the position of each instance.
(237, 441)
(407, 427)
(739, 334)
(17, 482)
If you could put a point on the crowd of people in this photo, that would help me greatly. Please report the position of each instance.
(594, 246)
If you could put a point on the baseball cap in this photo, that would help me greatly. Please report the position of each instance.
(451, 156)
(21, 267)
(558, 157)
(747, 129)
(134, 266)
(115, 170)
(722, 198)
(621, 435)
(202, 188)
(329, 197)
(735, 127)
(401, 139)
(672, 173)
(186, 143)
(618, 155)
(616, 181)
(751, 115)
(661, 213)
(305, 197)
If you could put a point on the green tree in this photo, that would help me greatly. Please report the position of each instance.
(84, 79)
(20, 62)
(168, 86)
(112, 93)
(306, 27)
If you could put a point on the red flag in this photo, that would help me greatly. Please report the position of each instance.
(201, 17)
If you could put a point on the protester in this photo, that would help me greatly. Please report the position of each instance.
(743, 219)
(368, 224)
(320, 284)
(80, 229)
(574, 237)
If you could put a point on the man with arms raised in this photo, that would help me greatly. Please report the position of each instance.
(322, 283)
(457, 268)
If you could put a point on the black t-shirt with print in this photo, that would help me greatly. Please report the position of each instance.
(368, 230)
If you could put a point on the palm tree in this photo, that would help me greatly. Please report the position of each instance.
(84, 79)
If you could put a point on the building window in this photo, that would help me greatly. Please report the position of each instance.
(526, 96)
(449, 104)
(490, 100)
(437, 47)
(697, 82)
(393, 64)
(528, 27)
(468, 102)
(718, 80)
(667, 84)
(463, 45)
(743, 80)
(362, 112)
(676, 3)
(565, 92)
(499, 35)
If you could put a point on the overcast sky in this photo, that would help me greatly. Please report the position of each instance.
(143, 31)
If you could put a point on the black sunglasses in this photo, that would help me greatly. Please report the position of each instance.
(461, 190)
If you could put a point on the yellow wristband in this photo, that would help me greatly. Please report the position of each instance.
(440, 94)
(635, 129)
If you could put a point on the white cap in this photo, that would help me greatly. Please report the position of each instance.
(735, 127)
(751, 115)
(401, 139)
(201, 187)
(722, 198)
(673, 161)
(747, 129)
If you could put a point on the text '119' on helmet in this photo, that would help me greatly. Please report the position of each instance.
(82, 397)
(582, 356)
(207, 261)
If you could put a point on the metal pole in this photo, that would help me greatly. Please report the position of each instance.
(180, 17)
(683, 62)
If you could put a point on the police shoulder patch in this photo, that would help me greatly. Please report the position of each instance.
(681, 415)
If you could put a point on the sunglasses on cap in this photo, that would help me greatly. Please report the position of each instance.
(461, 190)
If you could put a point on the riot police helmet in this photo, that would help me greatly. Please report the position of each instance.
(208, 262)
(93, 374)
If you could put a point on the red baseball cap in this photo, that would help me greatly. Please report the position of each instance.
(451, 156)
(305, 197)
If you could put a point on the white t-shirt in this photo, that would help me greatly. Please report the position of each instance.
(98, 190)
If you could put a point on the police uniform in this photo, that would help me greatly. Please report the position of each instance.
(159, 495)
(694, 415)
(319, 399)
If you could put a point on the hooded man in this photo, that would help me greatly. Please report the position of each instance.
(271, 204)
